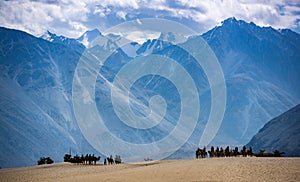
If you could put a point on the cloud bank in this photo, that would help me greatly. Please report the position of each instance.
(72, 18)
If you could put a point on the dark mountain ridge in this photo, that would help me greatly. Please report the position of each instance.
(281, 133)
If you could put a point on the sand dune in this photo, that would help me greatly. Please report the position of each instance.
(210, 169)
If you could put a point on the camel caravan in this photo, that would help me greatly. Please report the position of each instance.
(220, 152)
(91, 159)
(87, 159)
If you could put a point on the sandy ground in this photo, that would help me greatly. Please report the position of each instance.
(210, 169)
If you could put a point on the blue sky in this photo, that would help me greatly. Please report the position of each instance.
(72, 18)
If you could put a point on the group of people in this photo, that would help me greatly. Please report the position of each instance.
(220, 152)
(87, 159)
(90, 159)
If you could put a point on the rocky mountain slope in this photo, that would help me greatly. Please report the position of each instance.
(260, 64)
(281, 133)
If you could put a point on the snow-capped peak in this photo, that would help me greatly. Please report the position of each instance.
(89, 36)
(48, 36)
(172, 37)
(52, 37)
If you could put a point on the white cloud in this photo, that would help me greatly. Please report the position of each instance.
(119, 3)
(72, 18)
(263, 13)
(37, 17)
(121, 14)
(102, 11)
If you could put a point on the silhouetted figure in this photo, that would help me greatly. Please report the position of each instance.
(93, 159)
(212, 151)
(82, 159)
(222, 152)
(236, 151)
(203, 152)
(198, 153)
(86, 158)
(227, 152)
(104, 161)
(244, 152)
(90, 159)
(42, 161)
(110, 160)
(250, 152)
(217, 152)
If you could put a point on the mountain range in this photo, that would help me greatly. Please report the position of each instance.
(260, 65)
(281, 133)
(261, 68)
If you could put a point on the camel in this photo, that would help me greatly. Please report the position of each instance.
(244, 151)
(201, 153)
(110, 160)
(95, 159)
(250, 152)
(227, 152)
